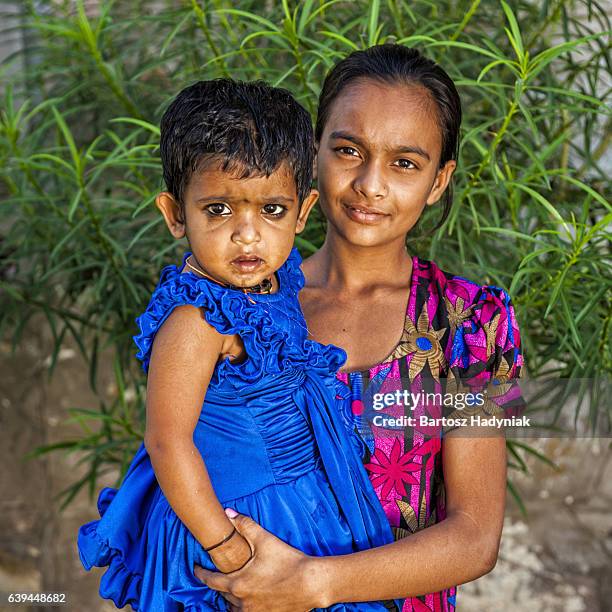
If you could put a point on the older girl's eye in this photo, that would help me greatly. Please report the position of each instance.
(405, 164)
(274, 210)
(347, 151)
(218, 210)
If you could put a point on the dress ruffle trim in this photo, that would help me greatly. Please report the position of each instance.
(118, 583)
(271, 348)
(295, 277)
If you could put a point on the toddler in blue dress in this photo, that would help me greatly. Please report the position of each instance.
(242, 408)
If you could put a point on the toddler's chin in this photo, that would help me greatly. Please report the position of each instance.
(245, 283)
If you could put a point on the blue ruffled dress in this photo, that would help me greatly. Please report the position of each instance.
(275, 437)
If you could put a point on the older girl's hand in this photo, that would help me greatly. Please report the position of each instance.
(279, 578)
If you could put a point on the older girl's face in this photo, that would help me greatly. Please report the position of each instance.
(378, 161)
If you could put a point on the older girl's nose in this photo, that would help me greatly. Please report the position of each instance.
(370, 182)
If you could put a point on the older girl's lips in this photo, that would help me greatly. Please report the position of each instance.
(364, 215)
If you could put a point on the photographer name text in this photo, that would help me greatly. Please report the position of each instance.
(382, 420)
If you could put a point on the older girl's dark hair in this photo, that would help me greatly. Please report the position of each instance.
(395, 64)
(249, 128)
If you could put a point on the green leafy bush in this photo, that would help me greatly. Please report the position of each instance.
(82, 244)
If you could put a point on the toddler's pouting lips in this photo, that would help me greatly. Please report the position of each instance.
(247, 263)
(364, 214)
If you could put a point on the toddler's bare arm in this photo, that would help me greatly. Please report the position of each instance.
(185, 351)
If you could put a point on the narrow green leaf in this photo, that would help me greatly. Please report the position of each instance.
(373, 17)
(75, 202)
(76, 158)
(515, 38)
(150, 127)
(252, 17)
(343, 39)
(586, 188)
(517, 497)
(142, 231)
(66, 238)
(554, 213)
(536, 453)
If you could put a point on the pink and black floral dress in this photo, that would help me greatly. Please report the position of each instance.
(458, 336)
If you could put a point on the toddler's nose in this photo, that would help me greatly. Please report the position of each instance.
(246, 232)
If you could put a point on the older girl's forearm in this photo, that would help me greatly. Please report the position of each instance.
(184, 480)
(451, 552)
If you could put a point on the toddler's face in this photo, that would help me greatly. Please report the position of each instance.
(240, 230)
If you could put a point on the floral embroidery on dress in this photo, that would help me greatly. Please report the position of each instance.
(423, 343)
(490, 330)
(457, 314)
(393, 470)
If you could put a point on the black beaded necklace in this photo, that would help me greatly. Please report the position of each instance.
(264, 287)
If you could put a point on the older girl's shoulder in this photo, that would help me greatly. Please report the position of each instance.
(456, 291)
(479, 319)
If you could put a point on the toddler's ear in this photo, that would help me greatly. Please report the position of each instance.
(172, 213)
(309, 201)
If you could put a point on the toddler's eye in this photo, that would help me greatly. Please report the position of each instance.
(274, 210)
(218, 210)
(406, 164)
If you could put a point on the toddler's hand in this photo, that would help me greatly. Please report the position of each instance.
(232, 555)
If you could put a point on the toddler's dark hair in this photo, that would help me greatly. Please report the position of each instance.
(396, 64)
(250, 128)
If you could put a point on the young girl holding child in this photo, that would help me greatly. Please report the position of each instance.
(242, 408)
(387, 144)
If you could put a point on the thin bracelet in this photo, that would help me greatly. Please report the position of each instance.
(243, 565)
(227, 538)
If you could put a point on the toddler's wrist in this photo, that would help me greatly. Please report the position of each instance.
(232, 555)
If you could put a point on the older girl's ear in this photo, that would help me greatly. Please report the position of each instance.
(307, 205)
(172, 213)
(441, 181)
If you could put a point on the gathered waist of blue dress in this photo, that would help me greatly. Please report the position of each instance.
(254, 440)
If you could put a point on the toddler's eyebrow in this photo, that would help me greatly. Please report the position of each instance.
(401, 149)
(226, 197)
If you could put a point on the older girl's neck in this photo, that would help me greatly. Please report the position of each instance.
(341, 266)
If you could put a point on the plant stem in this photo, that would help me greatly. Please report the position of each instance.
(466, 19)
(197, 9)
(496, 141)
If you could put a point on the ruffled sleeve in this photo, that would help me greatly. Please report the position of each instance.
(176, 289)
(294, 276)
(487, 354)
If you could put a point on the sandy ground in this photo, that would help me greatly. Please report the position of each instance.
(558, 558)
